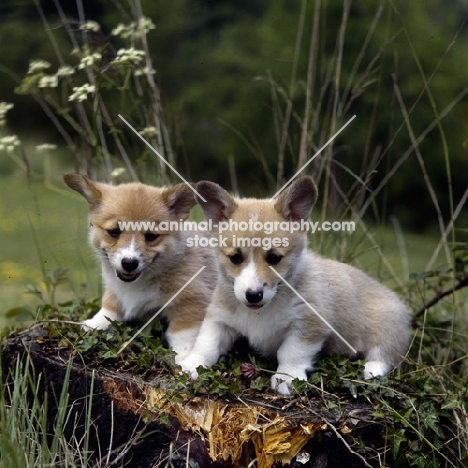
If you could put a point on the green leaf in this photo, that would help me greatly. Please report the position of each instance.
(20, 314)
(420, 461)
(258, 383)
(452, 402)
(397, 438)
(111, 354)
(88, 342)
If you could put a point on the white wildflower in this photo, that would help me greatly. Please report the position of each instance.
(131, 55)
(145, 71)
(80, 93)
(118, 171)
(124, 30)
(48, 81)
(91, 26)
(134, 29)
(9, 143)
(36, 66)
(66, 70)
(45, 147)
(4, 108)
(145, 25)
(89, 60)
(149, 132)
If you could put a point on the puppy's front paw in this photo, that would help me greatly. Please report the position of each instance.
(101, 321)
(376, 369)
(93, 324)
(189, 366)
(282, 384)
(193, 374)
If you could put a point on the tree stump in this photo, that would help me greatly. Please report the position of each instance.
(144, 425)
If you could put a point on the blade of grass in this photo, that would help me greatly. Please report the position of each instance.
(420, 159)
(292, 86)
(311, 74)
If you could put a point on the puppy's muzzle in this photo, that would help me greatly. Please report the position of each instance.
(129, 265)
(253, 297)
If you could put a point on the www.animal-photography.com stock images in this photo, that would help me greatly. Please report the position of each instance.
(234, 234)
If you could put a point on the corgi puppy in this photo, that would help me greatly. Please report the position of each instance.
(290, 302)
(143, 269)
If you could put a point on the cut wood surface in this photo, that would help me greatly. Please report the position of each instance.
(241, 430)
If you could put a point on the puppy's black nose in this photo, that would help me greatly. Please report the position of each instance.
(129, 264)
(253, 296)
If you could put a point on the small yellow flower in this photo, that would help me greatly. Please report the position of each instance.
(11, 271)
(7, 224)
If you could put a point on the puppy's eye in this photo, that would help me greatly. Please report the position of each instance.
(114, 232)
(273, 259)
(151, 236)
(236, 258)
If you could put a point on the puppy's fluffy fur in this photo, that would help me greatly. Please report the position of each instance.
(251, 300)
(142, 270)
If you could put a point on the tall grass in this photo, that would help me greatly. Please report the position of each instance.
(28, 438)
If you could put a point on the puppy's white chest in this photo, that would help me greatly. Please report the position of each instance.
(135, 298)
(265, 328)
(137, 302)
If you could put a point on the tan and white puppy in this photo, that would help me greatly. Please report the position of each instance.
(141, 268)
(357, 313)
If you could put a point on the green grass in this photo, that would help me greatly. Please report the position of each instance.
(42, 229)
(27, 437)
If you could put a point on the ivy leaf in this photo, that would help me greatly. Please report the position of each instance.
(397, 438)
(452, 402)
(111, 354)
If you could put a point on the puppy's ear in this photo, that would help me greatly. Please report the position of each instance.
(219, 205)
(180, 200)
(296, 201)
(85, 187)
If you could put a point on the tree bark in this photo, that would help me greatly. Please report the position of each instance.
(142, 427)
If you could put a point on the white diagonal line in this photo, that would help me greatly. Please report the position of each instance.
(160, 310)
(312, 158)
(156, 152)
(315, 312)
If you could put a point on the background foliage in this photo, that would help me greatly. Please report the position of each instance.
(231, 72)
